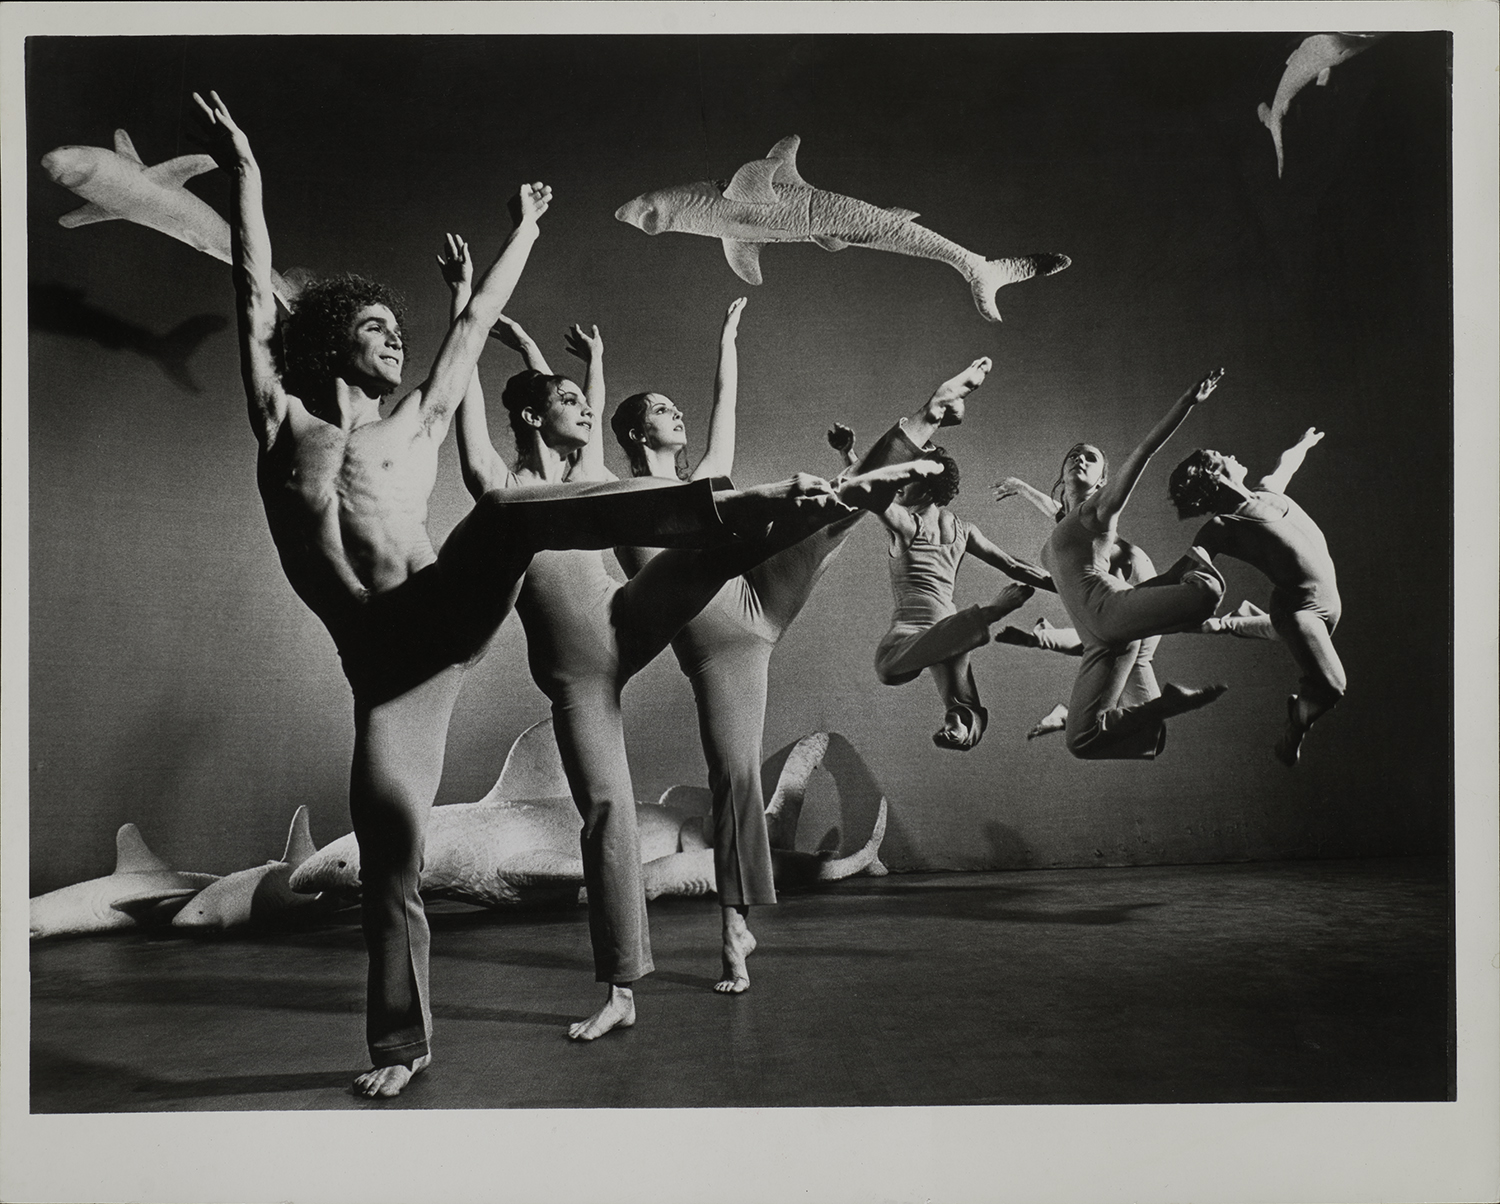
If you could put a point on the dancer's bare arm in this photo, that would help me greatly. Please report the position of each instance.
(1291, 460)
(589, 347)
(981, 546)
(718, 451)
(478, 461)
(1015, 487)
(513, 336)
(898, 520)
(459, 351)
(1110, 500)
(250, 251)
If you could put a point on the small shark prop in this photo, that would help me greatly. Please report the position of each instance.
(258, 897)
(117, 184)
(143, 889)
(61, 310)
(505, 850)
(1312, 60)
(768, 201)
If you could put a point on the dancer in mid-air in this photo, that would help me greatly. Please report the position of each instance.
(345, 490)
(1117, 711)
(587, 635)
(927, 544)
(1266, 529)
(725, 651)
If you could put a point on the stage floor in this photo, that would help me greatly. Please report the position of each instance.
(1296, 981)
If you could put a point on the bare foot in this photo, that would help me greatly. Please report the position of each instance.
(877, 489)
(1012, 597)
(748, 512)
(1289, 748)
(739, 943)
(618, 1012)
(946, 405)
(1020, 638)
(1053, 721)
(1178, 700)
(383, 1082)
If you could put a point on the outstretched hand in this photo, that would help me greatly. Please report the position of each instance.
(455, 263)
(1311, 437)
(732, 317)
(586, 346)
(226, 141)
(530, 203)
(511, 333)
(1009, 487)
(1208, 384)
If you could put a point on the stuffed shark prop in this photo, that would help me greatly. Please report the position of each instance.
(768, 201)
(117, 184)
(1312, 60)
(143, 889)
(259, 896)
(515, 846)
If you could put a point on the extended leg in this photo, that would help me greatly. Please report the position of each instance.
(904, 654)
(1309, 640)
(1105, 720)
(1117, 613)
(964, 719)
(398, 761)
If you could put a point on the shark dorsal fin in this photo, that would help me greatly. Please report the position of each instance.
(533, 768)
(786, 152)
(752, 183)
(176, 172)
(829, 243)
(1323, 78)
(744, 258)
(125, 148)
(299, 841)
(131, 854)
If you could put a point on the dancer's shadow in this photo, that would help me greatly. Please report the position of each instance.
(64, 1083)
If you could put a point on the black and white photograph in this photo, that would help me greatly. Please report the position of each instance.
(750, 602)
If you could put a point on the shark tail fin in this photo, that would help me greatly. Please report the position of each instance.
(1264, 113)
(178, 344)
(992, 275)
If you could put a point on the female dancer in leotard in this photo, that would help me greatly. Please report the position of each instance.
(726, 650)
(1265, 528)
(1116, 711)
(587, 635)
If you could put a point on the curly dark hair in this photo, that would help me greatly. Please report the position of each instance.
(626, 421)
(315, 337)
(1193, 486)
(943, 488)
(1059, 494)
(527, 390)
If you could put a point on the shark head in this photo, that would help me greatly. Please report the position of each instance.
(73, 166)
(674, 208)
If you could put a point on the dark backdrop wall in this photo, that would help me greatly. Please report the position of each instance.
(177, 682)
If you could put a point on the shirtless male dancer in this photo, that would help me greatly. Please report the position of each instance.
(725, 651)
(587, 635)
(345, 493)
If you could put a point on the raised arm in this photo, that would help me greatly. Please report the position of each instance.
(461, 346)
(513, 336)
(1015, 487)
(250, 254)
(718, 451)
(1112, 498)
(1291, 460)
(478, 461)
(841, 439)
(589, 347)
(981, 546)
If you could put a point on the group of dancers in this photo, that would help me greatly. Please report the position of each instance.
(717, 573)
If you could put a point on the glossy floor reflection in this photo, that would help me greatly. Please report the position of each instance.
(1295, 981)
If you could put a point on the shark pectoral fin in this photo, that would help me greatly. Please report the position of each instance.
(540, 867)
(829, 243)
(87, 216)
(744, 258)
(906, 215)
(175, 172)
(786, 152)
(125, 148)
(752, 183)
(690, 874)
(1323, 78)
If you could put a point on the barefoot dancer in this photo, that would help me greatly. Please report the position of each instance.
(345, 492)
(1265, 528)
(587, 635)
(1116, 711)
(927, 544)
(725, 651)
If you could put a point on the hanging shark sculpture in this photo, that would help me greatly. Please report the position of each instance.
(260, 896)
(768, 201)
(117, 185)
(506, 850)
(1312, 60)
(143, 889)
